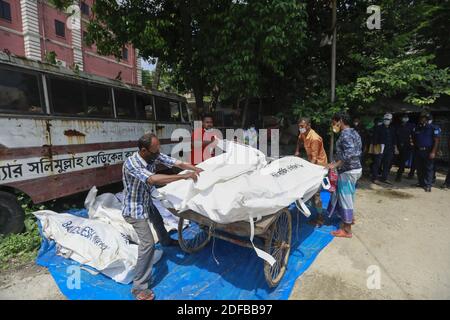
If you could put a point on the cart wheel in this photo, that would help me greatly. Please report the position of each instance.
(278, 245)
(194, 237)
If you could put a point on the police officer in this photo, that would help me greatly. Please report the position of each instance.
(404, 140)
(384, 135)
(426, 140)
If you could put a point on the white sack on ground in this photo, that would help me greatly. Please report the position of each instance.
(107, 207)
(91, 242)
(101, 241)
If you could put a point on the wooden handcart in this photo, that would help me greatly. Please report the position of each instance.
(274, 231)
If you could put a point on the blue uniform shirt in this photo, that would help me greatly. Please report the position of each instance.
(424, 135)
(403, 133)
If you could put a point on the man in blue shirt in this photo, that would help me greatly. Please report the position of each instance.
(139, 180)
(404, 144)
(384, 135)
(426, 141)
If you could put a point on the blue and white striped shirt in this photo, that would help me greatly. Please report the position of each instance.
(137, 201)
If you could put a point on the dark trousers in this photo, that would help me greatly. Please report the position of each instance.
(403, 156)
(447, 179)
(146, 248)
(382, 160)
(425, 167)
(412, 170)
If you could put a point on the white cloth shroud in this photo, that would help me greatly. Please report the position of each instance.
(263, 189)
(101, 241)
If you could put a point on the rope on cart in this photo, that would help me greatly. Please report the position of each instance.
(211, 231)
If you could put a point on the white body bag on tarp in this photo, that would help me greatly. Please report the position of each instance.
(91, 242)
(263, 189)
(101, 241)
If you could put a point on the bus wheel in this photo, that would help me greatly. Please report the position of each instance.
(12, 215)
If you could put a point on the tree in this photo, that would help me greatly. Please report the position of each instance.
(403, 59)
(234, 46)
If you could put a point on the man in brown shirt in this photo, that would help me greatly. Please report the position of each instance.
(313, 145)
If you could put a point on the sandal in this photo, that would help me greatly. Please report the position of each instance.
(341, 234)
(146, 294)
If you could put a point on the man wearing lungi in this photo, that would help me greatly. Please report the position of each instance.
(348, 164)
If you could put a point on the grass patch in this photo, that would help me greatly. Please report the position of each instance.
(22, 248)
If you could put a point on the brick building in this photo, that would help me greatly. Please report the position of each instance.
(35, 28)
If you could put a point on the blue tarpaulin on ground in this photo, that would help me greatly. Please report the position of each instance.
(239, 274)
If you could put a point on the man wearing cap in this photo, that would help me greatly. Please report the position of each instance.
(384, 135)
(426, 141)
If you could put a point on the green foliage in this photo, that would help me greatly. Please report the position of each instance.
(50, 57)
(18, 249)
(167, 81)
(239, 47)
(272, 48)
(414, 77)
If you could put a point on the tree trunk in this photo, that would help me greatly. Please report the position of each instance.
(215, 98)
(156, 75)
(244, 113)
(199, 105)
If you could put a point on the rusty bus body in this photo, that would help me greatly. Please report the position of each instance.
(51, 147)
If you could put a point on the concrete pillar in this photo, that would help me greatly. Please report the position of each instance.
(138, 68)
(30, 27)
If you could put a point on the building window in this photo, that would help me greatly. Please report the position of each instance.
(60, 28)
(19, 92)
(5, 10)
(84, 8)
(125, 53)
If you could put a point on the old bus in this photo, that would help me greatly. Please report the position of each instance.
(62, 132)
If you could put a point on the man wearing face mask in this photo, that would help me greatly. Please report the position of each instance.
(313, 144)
(404, 140)
(426, 141)
(139, 180)
(385, 136)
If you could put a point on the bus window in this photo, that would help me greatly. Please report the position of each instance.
(184, 112)
(19, 92)
(124, 104)
(98, 100)
(67, 96)
(162, 109)
(167, 110)
(144, 105)
(175, 114)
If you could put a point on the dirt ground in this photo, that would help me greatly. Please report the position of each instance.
(400, 230)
